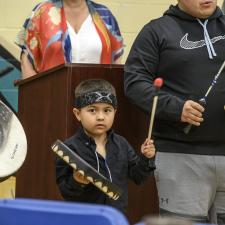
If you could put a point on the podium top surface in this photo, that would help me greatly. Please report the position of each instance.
(69, 67)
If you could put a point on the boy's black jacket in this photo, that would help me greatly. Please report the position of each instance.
(173, 47)
(123, 163)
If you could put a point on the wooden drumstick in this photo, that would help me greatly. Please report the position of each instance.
(158, 82)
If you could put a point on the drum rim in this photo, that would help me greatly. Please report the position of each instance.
(20, 145)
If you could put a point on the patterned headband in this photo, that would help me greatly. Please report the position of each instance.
(95, 97)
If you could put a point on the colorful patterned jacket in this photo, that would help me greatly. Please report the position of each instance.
(46, 41)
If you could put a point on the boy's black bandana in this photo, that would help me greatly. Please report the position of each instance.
(96, 97)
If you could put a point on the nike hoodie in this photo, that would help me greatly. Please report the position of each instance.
(187, 53)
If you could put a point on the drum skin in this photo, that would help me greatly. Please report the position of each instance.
(13, 142)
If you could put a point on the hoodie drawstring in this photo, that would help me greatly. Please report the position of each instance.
(208, 42)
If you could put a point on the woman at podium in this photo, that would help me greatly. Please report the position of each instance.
(68, 31)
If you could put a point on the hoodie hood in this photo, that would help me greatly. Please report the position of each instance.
(175, 11)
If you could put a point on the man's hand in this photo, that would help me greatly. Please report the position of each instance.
(192, 113)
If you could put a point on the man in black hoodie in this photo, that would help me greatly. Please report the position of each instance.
(186, 47)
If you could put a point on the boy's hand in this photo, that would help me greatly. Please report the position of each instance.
(79, 177)
(148, 148)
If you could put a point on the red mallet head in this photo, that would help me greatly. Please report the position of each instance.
(158, 82)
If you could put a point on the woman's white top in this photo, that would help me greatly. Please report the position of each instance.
(86, 43)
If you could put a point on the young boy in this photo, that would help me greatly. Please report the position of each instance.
(109, 153)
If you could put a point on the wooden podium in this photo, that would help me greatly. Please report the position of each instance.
(45, 110)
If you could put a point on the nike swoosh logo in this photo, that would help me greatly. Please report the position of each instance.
(186, 44)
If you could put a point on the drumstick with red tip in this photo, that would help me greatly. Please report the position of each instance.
(158, 82)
